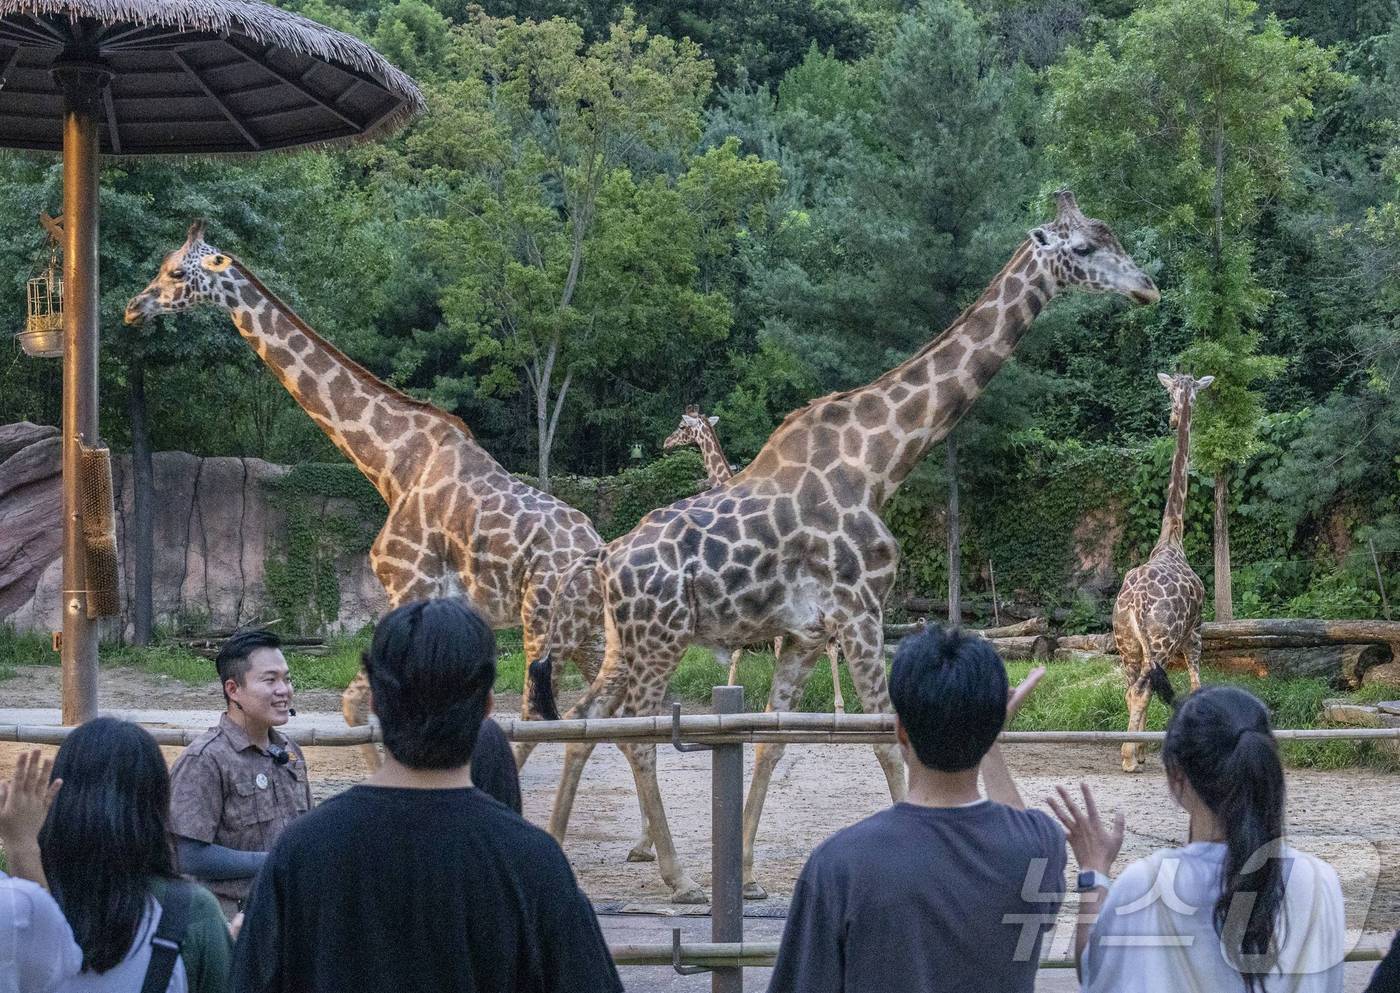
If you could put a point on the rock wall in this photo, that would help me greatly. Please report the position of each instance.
(214, 528)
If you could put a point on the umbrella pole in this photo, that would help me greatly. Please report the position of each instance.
(82, 84)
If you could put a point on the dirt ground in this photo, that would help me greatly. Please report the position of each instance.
(1347, 817)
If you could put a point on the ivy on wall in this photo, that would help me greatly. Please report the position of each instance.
(331, 511)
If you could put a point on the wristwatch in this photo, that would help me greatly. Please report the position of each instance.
(1090, 879)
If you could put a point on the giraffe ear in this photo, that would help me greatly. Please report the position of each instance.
(1041, 236)
(216, 263)
(1204, 381)
(713, 419)
(196, 232)
(1165, 379)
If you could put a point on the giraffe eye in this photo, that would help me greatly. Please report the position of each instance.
(177, 273)
(1084, 250)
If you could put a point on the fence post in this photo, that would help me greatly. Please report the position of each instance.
(727, 842)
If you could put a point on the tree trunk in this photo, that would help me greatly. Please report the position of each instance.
(143, 523)
(1224, 598)
(954, 537)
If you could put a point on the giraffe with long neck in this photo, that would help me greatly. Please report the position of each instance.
(698, 430)
(1157, 615)
(794, 545)
(458, 523)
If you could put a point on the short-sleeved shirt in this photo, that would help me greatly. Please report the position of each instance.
(201, 967)
(1155, 932)
(935, 899)
(384, 888)
(225, 790)
(37, 950)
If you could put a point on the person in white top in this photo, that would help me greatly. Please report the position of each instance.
(1234, 910)
(37, 950)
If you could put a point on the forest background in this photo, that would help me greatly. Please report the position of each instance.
(610, 212)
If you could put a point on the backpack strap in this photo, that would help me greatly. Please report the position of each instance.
(169, 936)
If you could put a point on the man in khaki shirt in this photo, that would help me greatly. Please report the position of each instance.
(240, 783)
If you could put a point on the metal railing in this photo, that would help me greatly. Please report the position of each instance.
(724, 732)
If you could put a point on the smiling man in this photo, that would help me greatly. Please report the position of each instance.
(241, 782)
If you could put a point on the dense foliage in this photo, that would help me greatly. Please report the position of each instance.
(612, 211)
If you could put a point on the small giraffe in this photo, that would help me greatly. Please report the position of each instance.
(458, 523)
(699, 430)
(794, 545)
(1157, 616)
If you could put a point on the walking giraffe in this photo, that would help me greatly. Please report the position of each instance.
(794, 545)
(1157, 616)
(698, 430)
(458, 523)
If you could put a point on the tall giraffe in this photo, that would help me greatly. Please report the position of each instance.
(698, 430)
(1157, 616)
(458, 523)
(794, 545)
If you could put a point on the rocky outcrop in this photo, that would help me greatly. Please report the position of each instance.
(214, 530)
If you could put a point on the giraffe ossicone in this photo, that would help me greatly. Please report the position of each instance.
(1157, 613)
(793, 545)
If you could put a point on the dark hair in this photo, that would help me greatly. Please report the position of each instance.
(1220, 740)
(493, 766)
(431, 667)
(949, 690)
(106, 835)
(232, 662)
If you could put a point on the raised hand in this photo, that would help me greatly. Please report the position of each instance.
(24, 802)
(1020, 693)
(1094, 843)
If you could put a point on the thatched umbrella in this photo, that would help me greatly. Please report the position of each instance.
(163, 77)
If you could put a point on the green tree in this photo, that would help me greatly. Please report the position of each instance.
(1183, 118)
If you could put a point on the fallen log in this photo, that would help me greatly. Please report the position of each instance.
(1346, 632)
(1063, 654)
(1032, 646)
(1340, 665)
(1036, 625)
(1101, 644)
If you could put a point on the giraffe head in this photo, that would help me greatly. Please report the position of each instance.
(694, 427)
(194, 273)
(1082, 252)
(1183, 389)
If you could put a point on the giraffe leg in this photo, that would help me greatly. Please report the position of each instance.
(790, 673)
(354, 704)
(863, 642)
(1193, 658)
(1138, 694)
(833, 653)
(734, 666)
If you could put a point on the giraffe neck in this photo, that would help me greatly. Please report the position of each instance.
(1173, 527)
(384, 432)
(716, 465)
(878, 432)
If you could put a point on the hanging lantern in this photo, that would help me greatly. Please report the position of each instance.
(42, 336)
(636, 453)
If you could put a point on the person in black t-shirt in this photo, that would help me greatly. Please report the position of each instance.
(948, 892)
(416, 880)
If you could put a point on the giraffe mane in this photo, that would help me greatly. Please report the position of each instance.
(358, 371)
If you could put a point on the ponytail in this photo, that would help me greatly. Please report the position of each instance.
(1221, 742)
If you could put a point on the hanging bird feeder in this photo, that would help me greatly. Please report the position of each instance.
(42, 336)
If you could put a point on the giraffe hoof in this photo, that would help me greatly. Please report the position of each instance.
(1131, 766)
(641, 852)
(753, 891)
(689, 893)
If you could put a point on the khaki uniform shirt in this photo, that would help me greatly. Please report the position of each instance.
(224, 790)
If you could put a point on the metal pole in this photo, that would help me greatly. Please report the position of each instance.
(727, 849)
(82, 83)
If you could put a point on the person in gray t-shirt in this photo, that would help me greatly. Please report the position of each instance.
(948, 890)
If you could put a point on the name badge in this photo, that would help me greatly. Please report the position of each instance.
(261, 781)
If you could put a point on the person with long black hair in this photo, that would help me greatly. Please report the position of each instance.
(1236, 909)
(105, 846)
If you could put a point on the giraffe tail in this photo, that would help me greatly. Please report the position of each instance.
(1161, 685)
(542, 689)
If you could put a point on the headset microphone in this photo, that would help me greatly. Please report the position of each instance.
(291, 711)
